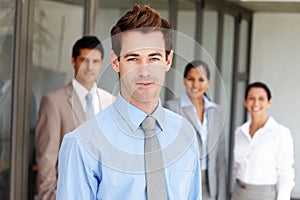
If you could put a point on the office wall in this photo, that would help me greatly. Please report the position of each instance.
(276, 60)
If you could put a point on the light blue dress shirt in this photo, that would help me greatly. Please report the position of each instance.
(202, 127)
(104, 157)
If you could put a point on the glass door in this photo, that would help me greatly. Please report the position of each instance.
(56, 27)
(7, 24)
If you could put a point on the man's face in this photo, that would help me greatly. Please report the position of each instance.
(87, 66)
(142, 65)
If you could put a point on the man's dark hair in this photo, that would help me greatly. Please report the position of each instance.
(87, 42)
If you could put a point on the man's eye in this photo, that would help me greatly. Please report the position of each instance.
(131, 59)
(81, 59)
(86, 60)
(155, 59)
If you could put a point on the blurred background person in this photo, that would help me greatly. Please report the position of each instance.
(203, 114)
(61, 111)
(263, 151)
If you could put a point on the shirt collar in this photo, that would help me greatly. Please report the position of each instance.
(186, 102)
(270, 124)
(133, 116)
(82, 91)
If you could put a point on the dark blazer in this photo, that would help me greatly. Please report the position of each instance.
(60, 112)
(217, 164)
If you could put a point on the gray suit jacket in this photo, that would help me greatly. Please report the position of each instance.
(60, 112)
(217, 164)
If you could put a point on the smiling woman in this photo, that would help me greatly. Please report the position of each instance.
(263, 151)
(205, 116)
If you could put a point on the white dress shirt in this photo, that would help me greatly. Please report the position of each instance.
(266, 158)
(82, 92)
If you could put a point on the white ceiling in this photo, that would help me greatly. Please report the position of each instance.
(253, 5)
(269, 5)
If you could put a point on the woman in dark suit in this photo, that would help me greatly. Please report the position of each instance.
(206, 118)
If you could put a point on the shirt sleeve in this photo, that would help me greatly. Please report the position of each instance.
(285, 168)
(196, 190)
(78, 173)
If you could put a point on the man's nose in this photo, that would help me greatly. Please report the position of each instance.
(145, 70)
(89, 64)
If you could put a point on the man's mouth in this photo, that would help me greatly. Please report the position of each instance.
(148, 83)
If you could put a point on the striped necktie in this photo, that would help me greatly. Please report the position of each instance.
(155, 176)
(90, 112)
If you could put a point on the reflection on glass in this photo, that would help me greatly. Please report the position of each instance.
(57, 25)
(6, 55)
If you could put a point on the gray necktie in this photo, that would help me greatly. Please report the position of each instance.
(155, 176)
(89, 106)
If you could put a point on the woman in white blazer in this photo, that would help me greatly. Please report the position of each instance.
(207, 119)
(263, 151)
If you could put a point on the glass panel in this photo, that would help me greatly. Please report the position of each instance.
(243, 48)
(227, 64)
(239, 107)
(57, 25)
(7, 14)
(107, 16)
(184, 50)
(210, 31)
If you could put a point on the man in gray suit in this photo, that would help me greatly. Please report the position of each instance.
(207, 119)
(61, 111)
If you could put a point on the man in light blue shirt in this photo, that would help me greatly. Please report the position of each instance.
(104, 158)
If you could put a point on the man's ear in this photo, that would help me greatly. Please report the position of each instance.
(169, 61)
(114, 61)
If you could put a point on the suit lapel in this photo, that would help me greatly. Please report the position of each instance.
(213, 134)
(188, 113)
(73, 99)
(209, 135)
